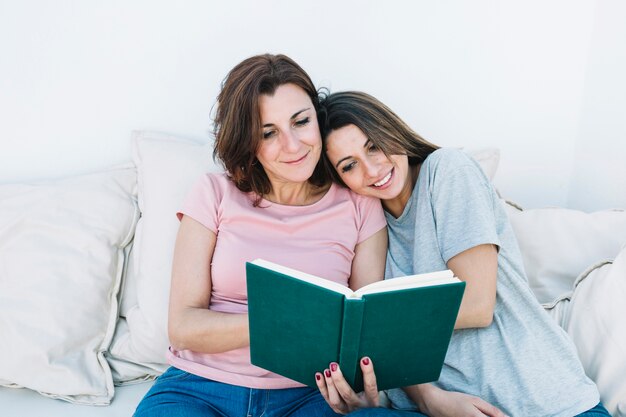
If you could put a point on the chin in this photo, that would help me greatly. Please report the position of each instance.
(304, 177)
(381, 195)
(387, 194)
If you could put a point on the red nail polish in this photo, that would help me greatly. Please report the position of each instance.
(318, 376)
(333, 366)
(327, 373)
(366, 361)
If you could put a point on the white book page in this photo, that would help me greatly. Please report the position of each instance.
(410, 281)
(303, 276)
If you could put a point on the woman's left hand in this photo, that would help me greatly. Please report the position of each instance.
(338, 393)
(436, 402)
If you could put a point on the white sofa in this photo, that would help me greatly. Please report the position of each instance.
(84, 281)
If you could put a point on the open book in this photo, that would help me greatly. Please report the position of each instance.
(299, 323)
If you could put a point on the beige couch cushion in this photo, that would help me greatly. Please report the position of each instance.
(593, 315)
(62, 252)
(558, 244)
(167, 167)
(487, 158)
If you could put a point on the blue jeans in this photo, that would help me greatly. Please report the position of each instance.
(597, 411)
(384, 412)
(178, 393)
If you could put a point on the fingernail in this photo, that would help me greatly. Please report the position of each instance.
(327, 373)
(318, 377)
(333, 366)
(366, 361)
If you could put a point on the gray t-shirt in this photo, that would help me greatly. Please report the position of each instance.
(523, 363)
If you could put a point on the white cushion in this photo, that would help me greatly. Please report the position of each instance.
(26, 403)
(558, 244)
(61, 261)
(167, 167)
(593, 315)
(487, 158)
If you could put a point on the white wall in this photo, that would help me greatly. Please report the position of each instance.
(541, 80)
(599, 170)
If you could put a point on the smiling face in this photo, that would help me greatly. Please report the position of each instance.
(364, 168)
(291, 145)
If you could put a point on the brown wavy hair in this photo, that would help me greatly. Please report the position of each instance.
(386, 130)
(237, 123)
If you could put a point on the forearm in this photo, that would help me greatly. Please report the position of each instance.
(434, 401)
(473, 314)
(478, 267)
(206, 331)
(418, 394)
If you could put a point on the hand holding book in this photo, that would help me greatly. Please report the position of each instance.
(430, 399)
(339, 394)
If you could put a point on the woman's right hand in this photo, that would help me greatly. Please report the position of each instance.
(338, 393)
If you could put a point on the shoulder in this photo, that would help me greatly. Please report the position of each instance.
(213, 186)
(446, 163)
(218, 179)
(365, 212)
(341, 193)
(448, 159)
(365, 208)
(215, 181)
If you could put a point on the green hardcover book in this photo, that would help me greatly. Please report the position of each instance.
(300, 323)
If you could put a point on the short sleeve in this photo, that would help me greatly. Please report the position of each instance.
(202, 202)
(462, 201)
(371, 216)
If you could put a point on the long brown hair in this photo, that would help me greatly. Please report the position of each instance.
(379, 123)
(237, 124)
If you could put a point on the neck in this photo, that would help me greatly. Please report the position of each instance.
(396, 205)
(295, 194)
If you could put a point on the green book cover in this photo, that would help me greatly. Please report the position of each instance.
(300, 323)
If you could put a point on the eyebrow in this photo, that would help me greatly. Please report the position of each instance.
(293, 116)
(367, 142)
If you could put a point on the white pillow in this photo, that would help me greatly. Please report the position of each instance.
(61, 260)
(487, 158)
(558, 244)
(167, 167)
(593, 315)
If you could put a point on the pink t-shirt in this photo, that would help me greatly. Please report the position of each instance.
(318, 239)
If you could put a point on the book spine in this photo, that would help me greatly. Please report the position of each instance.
(351, 341)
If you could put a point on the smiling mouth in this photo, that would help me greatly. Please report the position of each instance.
(384, 181)
(297, 161)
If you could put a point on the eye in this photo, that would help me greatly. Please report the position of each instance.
(373, 148)
(348, 167)
(268, 134)
(302, 122)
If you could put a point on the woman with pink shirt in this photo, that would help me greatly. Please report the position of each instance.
(273, 202)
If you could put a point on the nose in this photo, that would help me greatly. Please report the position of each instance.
(372, 167)
(289, 141)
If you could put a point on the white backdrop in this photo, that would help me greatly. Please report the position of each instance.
(541, 80)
